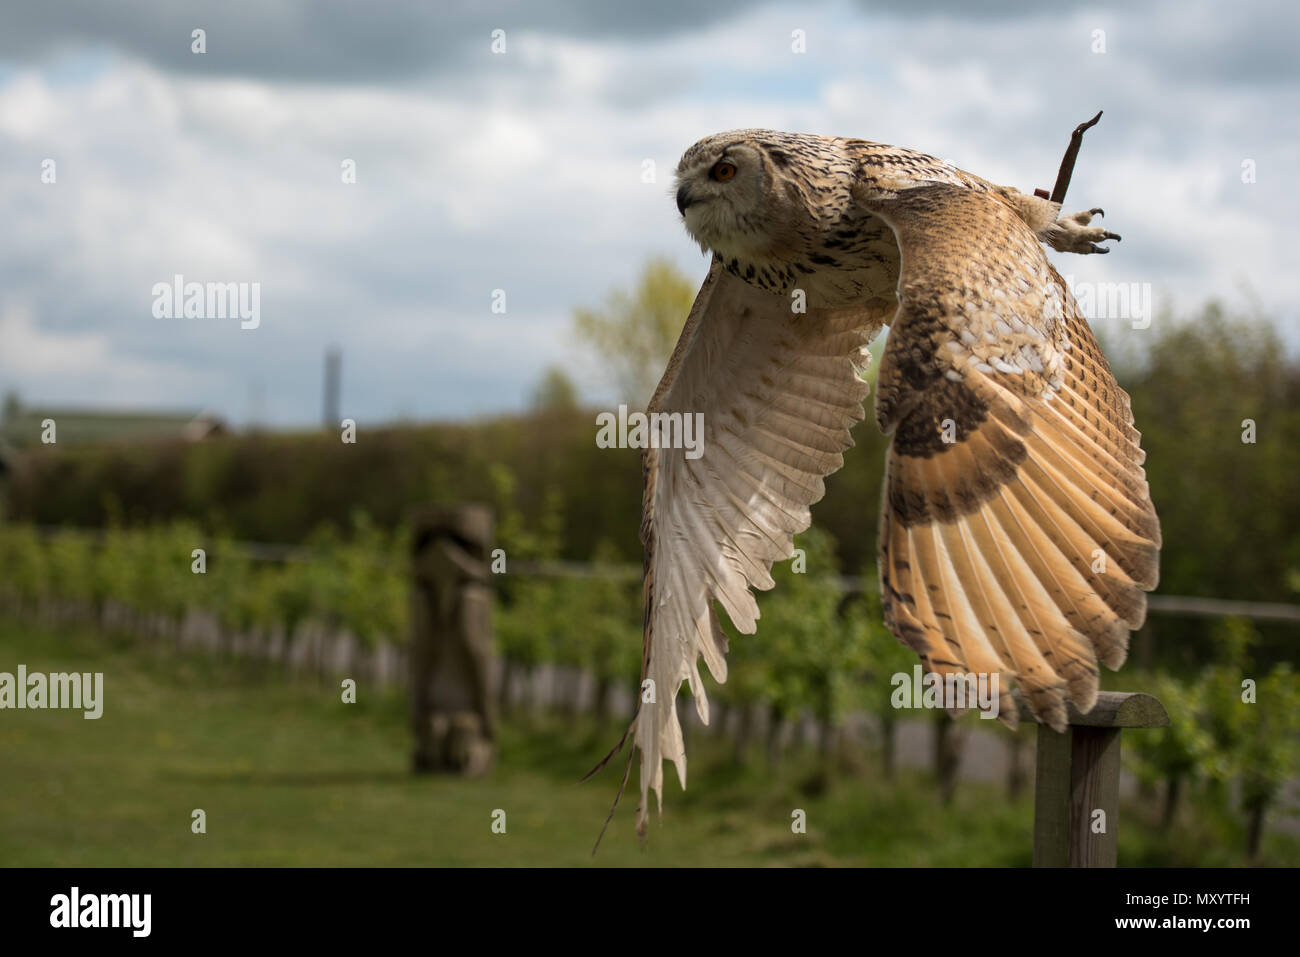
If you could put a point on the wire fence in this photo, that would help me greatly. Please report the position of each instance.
(1184, 606)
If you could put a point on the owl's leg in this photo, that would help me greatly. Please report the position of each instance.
(1068, 234)
(1072, 234)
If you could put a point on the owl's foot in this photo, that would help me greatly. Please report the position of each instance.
(1072, 234)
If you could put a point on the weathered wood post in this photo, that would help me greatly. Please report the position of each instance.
(1077, 775)
(451, 643)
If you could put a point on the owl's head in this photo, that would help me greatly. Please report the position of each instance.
(729, 195)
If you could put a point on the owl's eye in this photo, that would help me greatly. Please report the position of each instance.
(722, 171)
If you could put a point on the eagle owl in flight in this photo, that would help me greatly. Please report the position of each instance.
(1017, 533)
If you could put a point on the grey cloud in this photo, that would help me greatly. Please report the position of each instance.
(336, 41)
(330, 40)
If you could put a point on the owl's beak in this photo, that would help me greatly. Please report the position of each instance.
(684, 198)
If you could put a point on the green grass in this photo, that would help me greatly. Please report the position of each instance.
(288, 775)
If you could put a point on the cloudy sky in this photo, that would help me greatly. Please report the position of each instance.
(522, 170)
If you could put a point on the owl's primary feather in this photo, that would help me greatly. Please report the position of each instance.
(1017, 536)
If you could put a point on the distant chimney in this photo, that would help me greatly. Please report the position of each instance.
(333, 373)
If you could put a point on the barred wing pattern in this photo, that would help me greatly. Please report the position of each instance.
(1018, 536)
(779, 391)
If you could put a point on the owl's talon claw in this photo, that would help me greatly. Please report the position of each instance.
(1072, 234)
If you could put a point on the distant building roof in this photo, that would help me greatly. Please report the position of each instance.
(22, 426)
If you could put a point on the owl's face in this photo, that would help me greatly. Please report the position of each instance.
(726, 197)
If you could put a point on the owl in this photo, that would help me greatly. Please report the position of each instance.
(1017, 533)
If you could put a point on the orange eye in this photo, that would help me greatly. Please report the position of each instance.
(723, 171)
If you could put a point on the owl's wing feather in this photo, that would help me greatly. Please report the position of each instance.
(1018, 535)
(778, 391)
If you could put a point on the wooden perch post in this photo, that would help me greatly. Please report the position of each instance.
(451, 643)
(1076, 782)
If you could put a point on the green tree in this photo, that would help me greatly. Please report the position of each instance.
(1180, 753)
(605, 623)
(886, 657)
(532, 625)
(1255, 724)
(634, 333)
(810, 653)
(1217, 399)
(554, 392)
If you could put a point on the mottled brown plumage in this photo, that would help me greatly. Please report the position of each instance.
(1017, 536)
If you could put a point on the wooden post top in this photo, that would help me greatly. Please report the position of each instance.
(471, 523)
(1114, 709)
(460, 535)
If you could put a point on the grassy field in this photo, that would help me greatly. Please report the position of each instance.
(290, 776)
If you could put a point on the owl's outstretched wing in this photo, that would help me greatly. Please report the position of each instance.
(1018, 535)
(778, 391)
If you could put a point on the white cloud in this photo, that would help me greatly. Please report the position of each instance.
(523, 172)
(84, 364)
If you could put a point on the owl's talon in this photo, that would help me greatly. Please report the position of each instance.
(1072, 234)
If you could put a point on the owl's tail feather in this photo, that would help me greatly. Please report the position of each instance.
(627, 774)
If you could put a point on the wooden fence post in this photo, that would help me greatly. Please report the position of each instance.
(452, 711)
(1077, 776)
